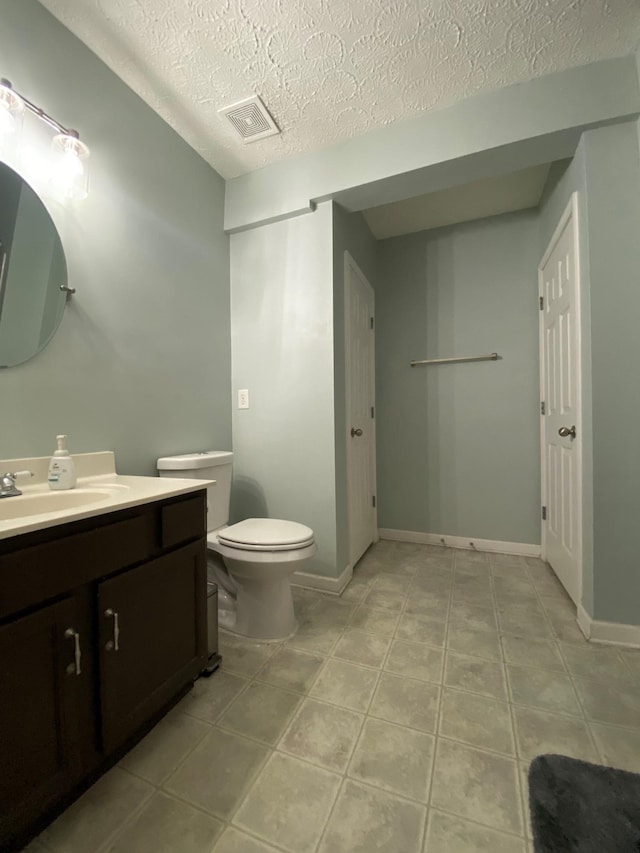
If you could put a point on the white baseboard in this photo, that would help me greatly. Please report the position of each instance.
(493, 545)
(608, 633)
(321, 582)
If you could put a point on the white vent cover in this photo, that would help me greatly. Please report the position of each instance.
(251, 119)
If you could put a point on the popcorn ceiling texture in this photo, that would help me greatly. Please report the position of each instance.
(333, 69)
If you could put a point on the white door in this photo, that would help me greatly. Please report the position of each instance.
(560, 383)
(360, 385)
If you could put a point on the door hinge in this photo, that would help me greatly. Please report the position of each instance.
(544, 513)
(373, 411)
(371, 323)
(373, 500)
(542, 411)
(542, 303)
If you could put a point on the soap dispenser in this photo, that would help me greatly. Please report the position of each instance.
(62, 470)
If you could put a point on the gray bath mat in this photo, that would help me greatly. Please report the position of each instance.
(577, 807)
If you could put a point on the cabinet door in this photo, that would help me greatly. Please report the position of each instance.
(152, 628)
(39, 746)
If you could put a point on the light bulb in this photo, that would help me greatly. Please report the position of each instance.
(70, 167)
(11, 110)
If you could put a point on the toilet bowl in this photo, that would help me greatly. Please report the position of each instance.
(252, 561)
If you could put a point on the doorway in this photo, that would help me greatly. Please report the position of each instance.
(560, 434)
(360, 409)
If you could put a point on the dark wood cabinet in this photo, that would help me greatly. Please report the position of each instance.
(102, 626)
(151, 623)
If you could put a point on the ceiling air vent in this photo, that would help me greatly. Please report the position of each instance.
(250, 119)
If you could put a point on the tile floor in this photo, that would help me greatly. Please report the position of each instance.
(401, 717)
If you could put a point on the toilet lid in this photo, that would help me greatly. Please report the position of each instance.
(266, 534)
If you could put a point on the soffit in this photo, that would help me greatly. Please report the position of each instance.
(477, 200)
(329, 70)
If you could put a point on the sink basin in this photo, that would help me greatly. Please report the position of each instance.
(27, 505)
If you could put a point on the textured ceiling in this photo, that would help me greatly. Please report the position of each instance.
(477, 200)
(333, 69)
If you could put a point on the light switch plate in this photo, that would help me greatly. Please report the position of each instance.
(243, 398)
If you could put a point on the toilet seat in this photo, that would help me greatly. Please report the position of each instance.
(266, 534)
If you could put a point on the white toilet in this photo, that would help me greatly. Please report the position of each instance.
(253, 560)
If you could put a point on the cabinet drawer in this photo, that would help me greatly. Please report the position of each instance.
(183, 520)
(43, 571)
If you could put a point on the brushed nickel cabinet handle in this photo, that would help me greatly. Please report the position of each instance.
(69, 634)
(112, 614)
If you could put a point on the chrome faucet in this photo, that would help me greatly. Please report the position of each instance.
(8, 483)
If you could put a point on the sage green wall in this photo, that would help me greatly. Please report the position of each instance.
(141, 362)
(458, 445)
(282, 346)
(350, 234)
(612, 165)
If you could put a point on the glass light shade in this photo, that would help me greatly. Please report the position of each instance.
(70, 172)
(11, 112)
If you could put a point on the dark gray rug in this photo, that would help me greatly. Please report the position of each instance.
(577, 807)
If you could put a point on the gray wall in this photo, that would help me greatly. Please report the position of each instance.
(282, 346)
(141, 362)
(350, 234)
(458, 445)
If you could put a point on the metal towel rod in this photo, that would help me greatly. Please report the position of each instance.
(491, 356)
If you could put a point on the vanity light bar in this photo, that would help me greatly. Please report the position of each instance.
(40, 112)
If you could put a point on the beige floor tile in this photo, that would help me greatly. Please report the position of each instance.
(345, 684)
(289, 803)
(525, 651)
(477, 785)
(244, 656)
(470, 558)
(375, 620)
(406, 701)
(507, 560)
(473, 617)
(415, 661)
(95, 817)
(449, 834)
(527, 621)
(538, 732)
(482, 644)
(422, 629)
(366, 820)
(610, 703)
(618, 747)
(322, 734)
(632, 659)
(262, 712)
(394, 758)
(314, 637)
(477, 720)
(385, 599)
(159, 753)
(235, 841)
(507, 599)
(511, 571)
(166, 825)
(392, 582)
(355, 591)
(426, 603)
(478, 584)
(595, 661)
(566, 629)
(218, 772)
(512, 585)
(210, 696)
(476, 675)
(362, 648)
(542, 689)
(292, 669)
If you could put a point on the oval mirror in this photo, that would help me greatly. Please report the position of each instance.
(32, 270)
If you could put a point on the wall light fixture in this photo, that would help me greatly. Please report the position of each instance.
(69, 167)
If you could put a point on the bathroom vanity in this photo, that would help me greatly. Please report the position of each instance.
(102, 629)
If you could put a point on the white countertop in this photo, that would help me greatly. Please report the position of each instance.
(99, 490)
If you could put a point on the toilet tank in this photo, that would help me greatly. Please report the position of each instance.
(210, 465)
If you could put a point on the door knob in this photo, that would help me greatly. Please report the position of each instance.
(355, 432)
(567, 431)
